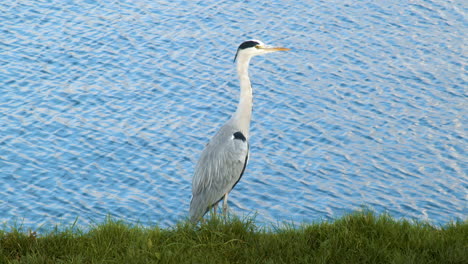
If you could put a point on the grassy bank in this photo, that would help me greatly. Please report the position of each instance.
(356, 238)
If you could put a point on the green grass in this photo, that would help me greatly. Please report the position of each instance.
(357, 238)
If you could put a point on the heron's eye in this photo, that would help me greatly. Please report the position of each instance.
(257, 46)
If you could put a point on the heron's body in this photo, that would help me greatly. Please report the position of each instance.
(225, 157)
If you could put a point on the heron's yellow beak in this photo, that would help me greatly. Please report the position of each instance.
(267, 48)
(278, 49)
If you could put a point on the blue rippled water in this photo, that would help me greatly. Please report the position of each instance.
(106, 106)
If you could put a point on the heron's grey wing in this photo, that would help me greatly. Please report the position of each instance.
(219, 168)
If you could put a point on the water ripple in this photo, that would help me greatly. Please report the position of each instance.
(105, 108)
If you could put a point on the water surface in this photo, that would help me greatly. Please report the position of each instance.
(105, 108)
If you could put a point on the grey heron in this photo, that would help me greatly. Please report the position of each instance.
(224, 158)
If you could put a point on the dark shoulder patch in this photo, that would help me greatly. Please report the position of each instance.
(240, 136)
(248, 44)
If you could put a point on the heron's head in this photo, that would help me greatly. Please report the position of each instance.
(254, 47)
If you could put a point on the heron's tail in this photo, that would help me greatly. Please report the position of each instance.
(197, 209)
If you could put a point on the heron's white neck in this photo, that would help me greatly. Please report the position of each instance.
(243, 113)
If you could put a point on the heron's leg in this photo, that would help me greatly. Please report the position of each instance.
(225, 205)
(215, 208)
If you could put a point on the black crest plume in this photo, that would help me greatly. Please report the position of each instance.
(245, 45)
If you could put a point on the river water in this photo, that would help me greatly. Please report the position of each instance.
(105, 107)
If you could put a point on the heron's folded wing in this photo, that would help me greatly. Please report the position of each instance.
(220, 166)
